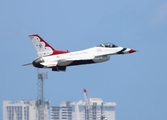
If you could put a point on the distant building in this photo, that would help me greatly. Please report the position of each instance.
(22, 110)
(62, 112)
(76, 110)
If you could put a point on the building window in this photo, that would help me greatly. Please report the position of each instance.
(64, 118)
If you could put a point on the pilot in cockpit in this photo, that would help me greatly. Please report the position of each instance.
(108, 45)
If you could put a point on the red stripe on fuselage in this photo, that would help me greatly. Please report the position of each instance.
(56, 52)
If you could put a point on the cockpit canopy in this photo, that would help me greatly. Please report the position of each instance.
(107, 45)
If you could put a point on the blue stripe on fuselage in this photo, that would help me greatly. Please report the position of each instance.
(122, 51)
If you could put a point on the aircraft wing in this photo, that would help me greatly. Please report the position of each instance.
(49, 64)
(79, 58)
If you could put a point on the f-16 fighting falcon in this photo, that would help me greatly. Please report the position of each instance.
(59, 60)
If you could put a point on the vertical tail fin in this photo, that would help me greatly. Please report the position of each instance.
(42, 47)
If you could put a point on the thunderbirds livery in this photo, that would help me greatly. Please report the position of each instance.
(59, 60)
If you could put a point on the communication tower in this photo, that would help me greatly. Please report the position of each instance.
(41, 104)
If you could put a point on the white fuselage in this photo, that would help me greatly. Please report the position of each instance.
(95, 54)
(58, 60)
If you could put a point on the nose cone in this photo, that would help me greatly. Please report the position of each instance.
(132, 51)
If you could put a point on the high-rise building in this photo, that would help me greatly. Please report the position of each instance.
(22, 110)
(76, 110)
(62, 112)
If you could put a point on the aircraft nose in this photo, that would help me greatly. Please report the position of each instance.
(132, 51)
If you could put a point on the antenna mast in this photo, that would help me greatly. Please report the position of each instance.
(40, 102)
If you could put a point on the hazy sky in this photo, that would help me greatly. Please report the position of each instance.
(136, 82)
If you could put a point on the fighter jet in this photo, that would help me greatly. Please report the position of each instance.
(59, 60)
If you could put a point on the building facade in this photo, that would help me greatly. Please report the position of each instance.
(23, 110)
(20, 110)
(62, 112)
(77, 110)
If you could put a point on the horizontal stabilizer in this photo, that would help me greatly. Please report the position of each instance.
(27, 64)
(49, 64)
